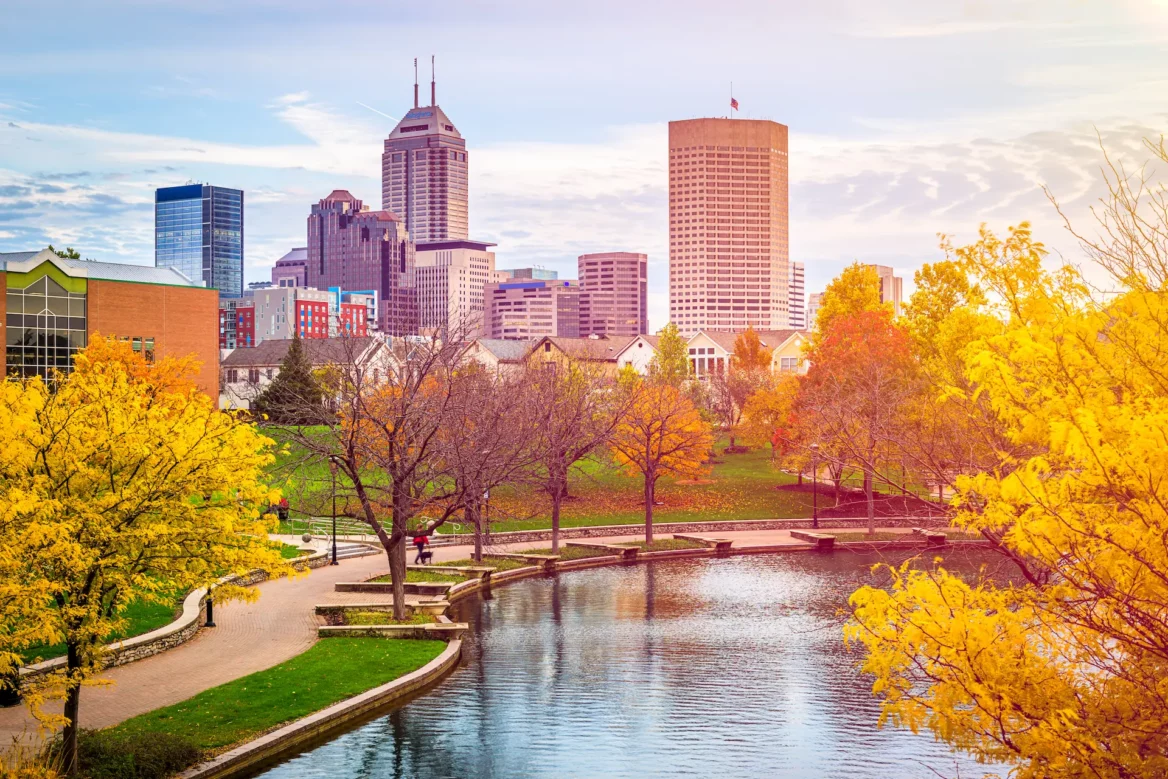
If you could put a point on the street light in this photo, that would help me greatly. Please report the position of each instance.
(333, 469)
(815, 486)
(210, 623)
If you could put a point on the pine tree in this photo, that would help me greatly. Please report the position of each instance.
(294, 397)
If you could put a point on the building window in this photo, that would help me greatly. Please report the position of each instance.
(253, 375)
(46, 325)
(232, 376)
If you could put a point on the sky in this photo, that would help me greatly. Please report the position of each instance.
(907, 119)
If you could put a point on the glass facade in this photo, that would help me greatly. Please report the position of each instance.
(198, 230)
(46, 327)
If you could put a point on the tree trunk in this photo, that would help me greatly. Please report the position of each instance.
(871, 502)
(650, 483)
(556, 499)
(473, 517)
(800, 477)
(70, 758)
(397, 554)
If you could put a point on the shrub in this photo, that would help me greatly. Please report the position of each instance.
(106, 755)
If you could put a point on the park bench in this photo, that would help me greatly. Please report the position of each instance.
(721, 545)
(545, 561)
(625, 552)
(823, 542)
(932, 537)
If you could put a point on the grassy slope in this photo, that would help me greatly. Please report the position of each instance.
(330, 671)
(739, 486)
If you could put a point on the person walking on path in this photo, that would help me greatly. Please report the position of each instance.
(420, 541)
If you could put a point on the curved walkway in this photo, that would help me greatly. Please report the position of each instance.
(250, 637)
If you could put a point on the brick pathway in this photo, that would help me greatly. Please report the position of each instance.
(250, 637)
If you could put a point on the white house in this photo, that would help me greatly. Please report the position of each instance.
(710, 350)
(638, 353)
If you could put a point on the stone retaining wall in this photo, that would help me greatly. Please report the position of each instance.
(168, 636)
(714, 526)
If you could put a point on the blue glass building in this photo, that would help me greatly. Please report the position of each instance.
(198, 231)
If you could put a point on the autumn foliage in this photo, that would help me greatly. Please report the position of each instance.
(120, 482)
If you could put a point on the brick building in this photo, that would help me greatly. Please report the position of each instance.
(50, 307)
(353, 248)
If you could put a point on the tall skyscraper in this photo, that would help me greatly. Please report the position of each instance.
(613, 294)
(795, 298)
(891, 287)
(198, 231)
(728, 249)
(423, 173)
(354, 249)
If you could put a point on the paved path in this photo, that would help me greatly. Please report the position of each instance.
(250, 637)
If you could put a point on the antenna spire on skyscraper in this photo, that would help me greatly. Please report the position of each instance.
(415, 82)
(433, 88)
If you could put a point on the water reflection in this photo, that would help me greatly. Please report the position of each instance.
(687, 668)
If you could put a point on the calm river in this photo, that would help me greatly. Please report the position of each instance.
(729, 667)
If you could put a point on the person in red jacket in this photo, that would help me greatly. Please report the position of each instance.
(420, 542)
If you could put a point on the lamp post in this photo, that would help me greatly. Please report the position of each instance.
(210, 623)
(333, 471)
(815, 486)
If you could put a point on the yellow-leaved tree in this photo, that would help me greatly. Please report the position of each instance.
(119, 482)
(856, 289)
(660, 433)
(1066, 673)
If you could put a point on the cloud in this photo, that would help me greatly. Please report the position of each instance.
(880, 195)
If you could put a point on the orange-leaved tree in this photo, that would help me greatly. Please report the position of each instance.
(661, 432)
(861, 377)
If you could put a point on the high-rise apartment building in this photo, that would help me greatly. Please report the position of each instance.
(520, 310)
(451, 278)
(891, 287)
(814, 301)
(423, 173)
(728, 251)
(796, 307)
(352, 248)
(198, 231)
(613, 294)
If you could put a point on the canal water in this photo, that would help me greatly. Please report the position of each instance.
(720, 667)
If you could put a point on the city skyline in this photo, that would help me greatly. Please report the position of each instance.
(884, 153)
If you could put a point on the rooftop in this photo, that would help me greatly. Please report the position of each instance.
(321, 351)
(22, 262)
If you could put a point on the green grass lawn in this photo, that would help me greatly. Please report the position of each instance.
(425, 576)
(664, 545)
(498, 563)
(141, 617)
(385, 618)
(332, 670)
(737, 487)
(574, 552)
(291, 551)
